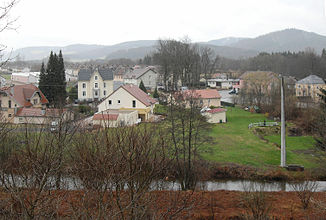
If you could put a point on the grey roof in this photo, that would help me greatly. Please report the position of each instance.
(312, 79)
(85, 74)
(136, 73)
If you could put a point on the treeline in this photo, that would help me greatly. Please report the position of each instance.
(296, 64)
(299, 65)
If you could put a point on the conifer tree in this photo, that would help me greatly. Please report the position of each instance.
(321, 122)
(52, 81)
(142, 86)
(155, 94)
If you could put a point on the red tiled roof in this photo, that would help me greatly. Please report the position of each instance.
(110, 117)
(22, 93)
(37, 112)
(204, 93)
(139, 94)
(215, 110)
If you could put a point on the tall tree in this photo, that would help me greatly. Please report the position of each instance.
(321, 122)
(142, 86)
(53, 83)
(61, 76)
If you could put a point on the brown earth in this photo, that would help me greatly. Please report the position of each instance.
(207, 205)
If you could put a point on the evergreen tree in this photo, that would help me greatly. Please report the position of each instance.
(155, 94)
(43, 80)
(61, 79)
(52, 81)
(321, 122)
(142, 87)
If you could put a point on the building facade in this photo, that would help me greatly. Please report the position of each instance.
(129, 97)
(94, 84)
(148, 75)
(310, 87)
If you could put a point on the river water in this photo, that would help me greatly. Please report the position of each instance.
(231, 185)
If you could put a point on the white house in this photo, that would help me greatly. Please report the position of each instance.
(148, 75)
(130, 97)
(223, 83)
(94, 84)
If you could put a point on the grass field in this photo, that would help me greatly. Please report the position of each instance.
(233, 142)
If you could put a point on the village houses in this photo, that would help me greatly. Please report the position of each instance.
(16, 97)
(309, 87)
(130, 97)
(94, 84)
(148, 75)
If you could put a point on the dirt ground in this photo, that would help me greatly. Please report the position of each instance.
(222, 204)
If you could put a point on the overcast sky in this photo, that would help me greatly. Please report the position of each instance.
(64, 22)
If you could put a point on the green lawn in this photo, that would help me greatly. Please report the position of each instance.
(233, 142)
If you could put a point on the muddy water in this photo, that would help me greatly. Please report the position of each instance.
(240, 185)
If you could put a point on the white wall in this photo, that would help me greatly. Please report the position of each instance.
(125, 101)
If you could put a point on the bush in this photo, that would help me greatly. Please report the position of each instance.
(160, 109)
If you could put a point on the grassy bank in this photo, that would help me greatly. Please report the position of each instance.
(233, 142)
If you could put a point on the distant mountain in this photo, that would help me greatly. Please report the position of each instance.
(227, 41)
(231, 47)
(286, 40)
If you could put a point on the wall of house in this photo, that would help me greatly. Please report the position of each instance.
(311, 90)
(216, 117)
(31, 120)
(125, 101)
(128, 119)
(102, 91)
(6, 112)
(210, 102)
(131, 81)
(149, 79)
(105, 123)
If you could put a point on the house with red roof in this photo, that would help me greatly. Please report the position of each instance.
(215, 115)
(204, 97)
(130, 97)
(16, 97)
(41, 116)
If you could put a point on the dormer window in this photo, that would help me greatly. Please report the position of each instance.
(95, 77)
(35, 101)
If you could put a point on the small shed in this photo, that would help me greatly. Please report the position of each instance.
(216, 115)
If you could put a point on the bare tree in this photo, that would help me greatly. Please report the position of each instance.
(186, 126)
(6, 23)
(208, 62)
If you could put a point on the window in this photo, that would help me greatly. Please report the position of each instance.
(118, 101)
(84, 93)
(104, 92)
(104, 85)
(34, 101)
(134, 103)
(9, 115)
(95, 77)
(110, 102)
(96, 85)
(96, 93)
(9, 104)
(20, 119)
(84, 85)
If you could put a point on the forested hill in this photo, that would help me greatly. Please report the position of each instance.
(232, 47)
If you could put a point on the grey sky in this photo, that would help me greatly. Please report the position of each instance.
(63, 22)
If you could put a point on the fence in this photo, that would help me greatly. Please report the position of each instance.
(263, 124)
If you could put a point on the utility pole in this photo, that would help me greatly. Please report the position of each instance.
(283, 150)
